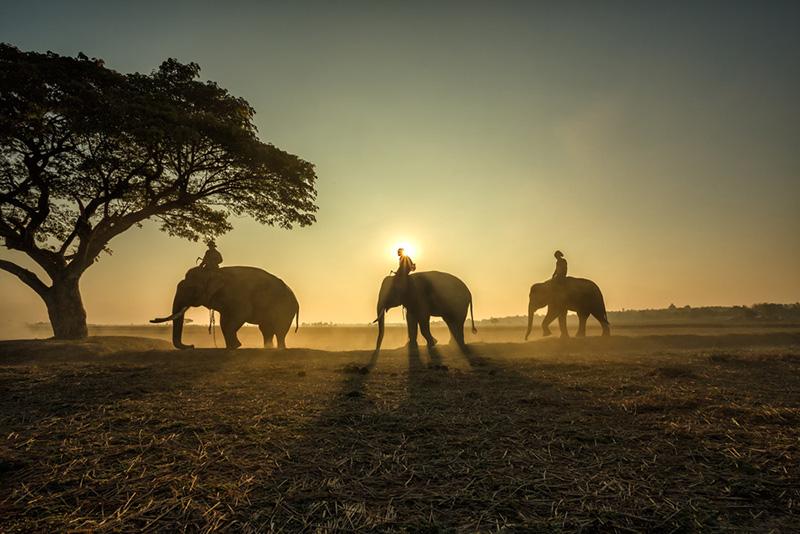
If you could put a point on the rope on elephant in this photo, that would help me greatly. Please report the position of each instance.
(211, 329)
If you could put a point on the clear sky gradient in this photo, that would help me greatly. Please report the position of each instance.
(657, 145)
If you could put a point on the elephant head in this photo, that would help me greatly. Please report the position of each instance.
(196, 289)
(539, 298)
(388, 297)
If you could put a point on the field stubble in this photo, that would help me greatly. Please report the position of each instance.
(656, 433)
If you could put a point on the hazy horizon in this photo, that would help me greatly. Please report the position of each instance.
(656, 145)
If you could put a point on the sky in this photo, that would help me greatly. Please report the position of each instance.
(656, 144)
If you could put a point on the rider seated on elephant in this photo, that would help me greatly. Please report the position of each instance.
(405, 265)
(561, 266)
(212, 257)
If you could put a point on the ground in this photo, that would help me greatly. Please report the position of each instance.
(655, 432)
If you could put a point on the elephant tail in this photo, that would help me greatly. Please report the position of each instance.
(602, 316)
(602, 309)
(297, 319)
(471, 318)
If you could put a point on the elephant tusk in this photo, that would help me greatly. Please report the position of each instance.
(171, 317)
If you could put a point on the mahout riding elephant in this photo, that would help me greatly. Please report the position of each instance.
(426, 294)
(569, 294)
(240, 295)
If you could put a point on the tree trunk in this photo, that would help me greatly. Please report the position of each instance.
(65, 308)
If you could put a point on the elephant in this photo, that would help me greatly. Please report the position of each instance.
(240, 295)
(427, 294)
(577, 294)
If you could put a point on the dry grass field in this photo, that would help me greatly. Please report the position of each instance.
(661, 433)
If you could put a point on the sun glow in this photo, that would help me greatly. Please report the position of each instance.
(410, 249)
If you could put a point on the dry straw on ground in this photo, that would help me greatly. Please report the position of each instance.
(669, 434)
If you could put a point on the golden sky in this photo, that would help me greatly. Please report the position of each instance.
(657, 147)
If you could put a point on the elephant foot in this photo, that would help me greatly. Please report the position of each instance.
(432, 342)
(546, 333)
(235, 345)
(564, 336)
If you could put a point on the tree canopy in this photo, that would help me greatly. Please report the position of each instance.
(87, 152)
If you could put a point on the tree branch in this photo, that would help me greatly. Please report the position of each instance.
(26, 276)
(47, 260)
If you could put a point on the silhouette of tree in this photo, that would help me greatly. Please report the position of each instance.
(86, 153)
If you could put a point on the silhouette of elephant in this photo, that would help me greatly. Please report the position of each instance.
(576, 294)
(240, 295)
(427, 294)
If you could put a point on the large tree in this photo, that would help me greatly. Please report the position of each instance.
(86, 153)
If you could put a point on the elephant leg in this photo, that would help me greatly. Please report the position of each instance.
(562, 323)
(281, 340)
(412, 324)
(267, 333)
(601, 318)
(551, 315)
(425, 328)
(582, 324)
(230, 325)
(456, 332)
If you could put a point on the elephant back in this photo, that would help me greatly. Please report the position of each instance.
(584, 284)
(577, 287)
(255, 279)
(448, 288)
(584, 293)
(440, 279)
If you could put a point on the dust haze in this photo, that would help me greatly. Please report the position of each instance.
(471, 267)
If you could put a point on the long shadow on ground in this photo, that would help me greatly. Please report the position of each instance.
(494, 446)
(437, 440)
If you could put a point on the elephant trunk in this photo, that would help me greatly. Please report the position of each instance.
(531, 311)
(381, 324)
(384, 304)
(177, 324)
(177, 334)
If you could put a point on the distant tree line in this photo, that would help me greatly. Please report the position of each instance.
(763, 312)
(756, 312)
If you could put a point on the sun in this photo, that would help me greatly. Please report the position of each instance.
(408, 247)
